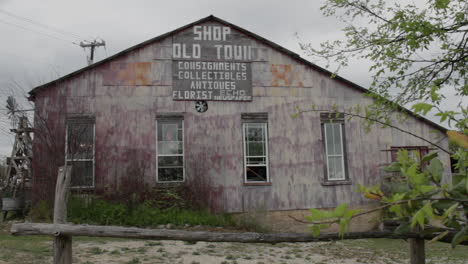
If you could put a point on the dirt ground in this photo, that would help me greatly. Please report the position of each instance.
(202, 252)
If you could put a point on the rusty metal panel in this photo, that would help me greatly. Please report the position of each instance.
(283, 75)
(124, 73)
(137, 73)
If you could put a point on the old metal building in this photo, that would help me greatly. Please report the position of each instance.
(211, 104)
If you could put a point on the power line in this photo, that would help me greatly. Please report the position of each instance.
(57, 30)
(84, 44)
(38, 32)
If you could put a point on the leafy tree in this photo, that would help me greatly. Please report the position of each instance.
(415, 52)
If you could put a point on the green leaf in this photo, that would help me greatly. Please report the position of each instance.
(418, 218)
(427, 209)
(398, 196)
(402, 156)
(425, 188)
(439, 237)
(315, 230)
(402, 228)
(460, 236)
(315, 215)
(461, 188)
(361, 188)
(422, 107)
(436, 169)
(457, 179)
(343, 226)
(441, 4)
(394, 167)
(450, 210)
(350, 213)
(443, 116)
(396, 209)
(429, 157)
(442, 205)
(340, 210)
(435, 97)
(414, 177)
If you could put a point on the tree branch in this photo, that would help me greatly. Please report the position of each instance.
(333, 220)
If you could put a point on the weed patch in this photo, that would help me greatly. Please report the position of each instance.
(100, 212)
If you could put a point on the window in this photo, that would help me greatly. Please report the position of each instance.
(255, 134)
(79, 152)
(333, 136)
(170, 148)
(415, 152)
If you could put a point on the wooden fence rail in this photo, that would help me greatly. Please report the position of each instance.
(184, 235)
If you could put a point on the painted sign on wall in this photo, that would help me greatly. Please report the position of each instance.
(211, 62)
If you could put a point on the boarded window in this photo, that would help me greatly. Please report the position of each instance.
(80, 139)
(255, 135)
(333, 136)
(170, 148)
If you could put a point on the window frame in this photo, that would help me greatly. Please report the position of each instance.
(334, 118)
(422, 151)
(162, 118)
(255, 118)
(82, 119)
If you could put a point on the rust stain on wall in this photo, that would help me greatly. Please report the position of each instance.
(285, 75)
(123, 73)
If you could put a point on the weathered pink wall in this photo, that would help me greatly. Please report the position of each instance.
(125, 95)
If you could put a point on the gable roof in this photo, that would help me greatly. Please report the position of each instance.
(212, 18)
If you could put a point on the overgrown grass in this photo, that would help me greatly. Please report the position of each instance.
(25, 249)
(397, 247)
(100, 212)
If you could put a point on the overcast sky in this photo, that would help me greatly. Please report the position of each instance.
(37, 36)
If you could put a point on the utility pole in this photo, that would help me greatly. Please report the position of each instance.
(92, 46)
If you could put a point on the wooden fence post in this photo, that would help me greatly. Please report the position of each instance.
(417, 249)
(62, 243)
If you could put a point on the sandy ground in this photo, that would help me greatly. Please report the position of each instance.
(221, 253)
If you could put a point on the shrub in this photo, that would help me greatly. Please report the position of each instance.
(101, 212)
(41, 212)
(95, 211)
